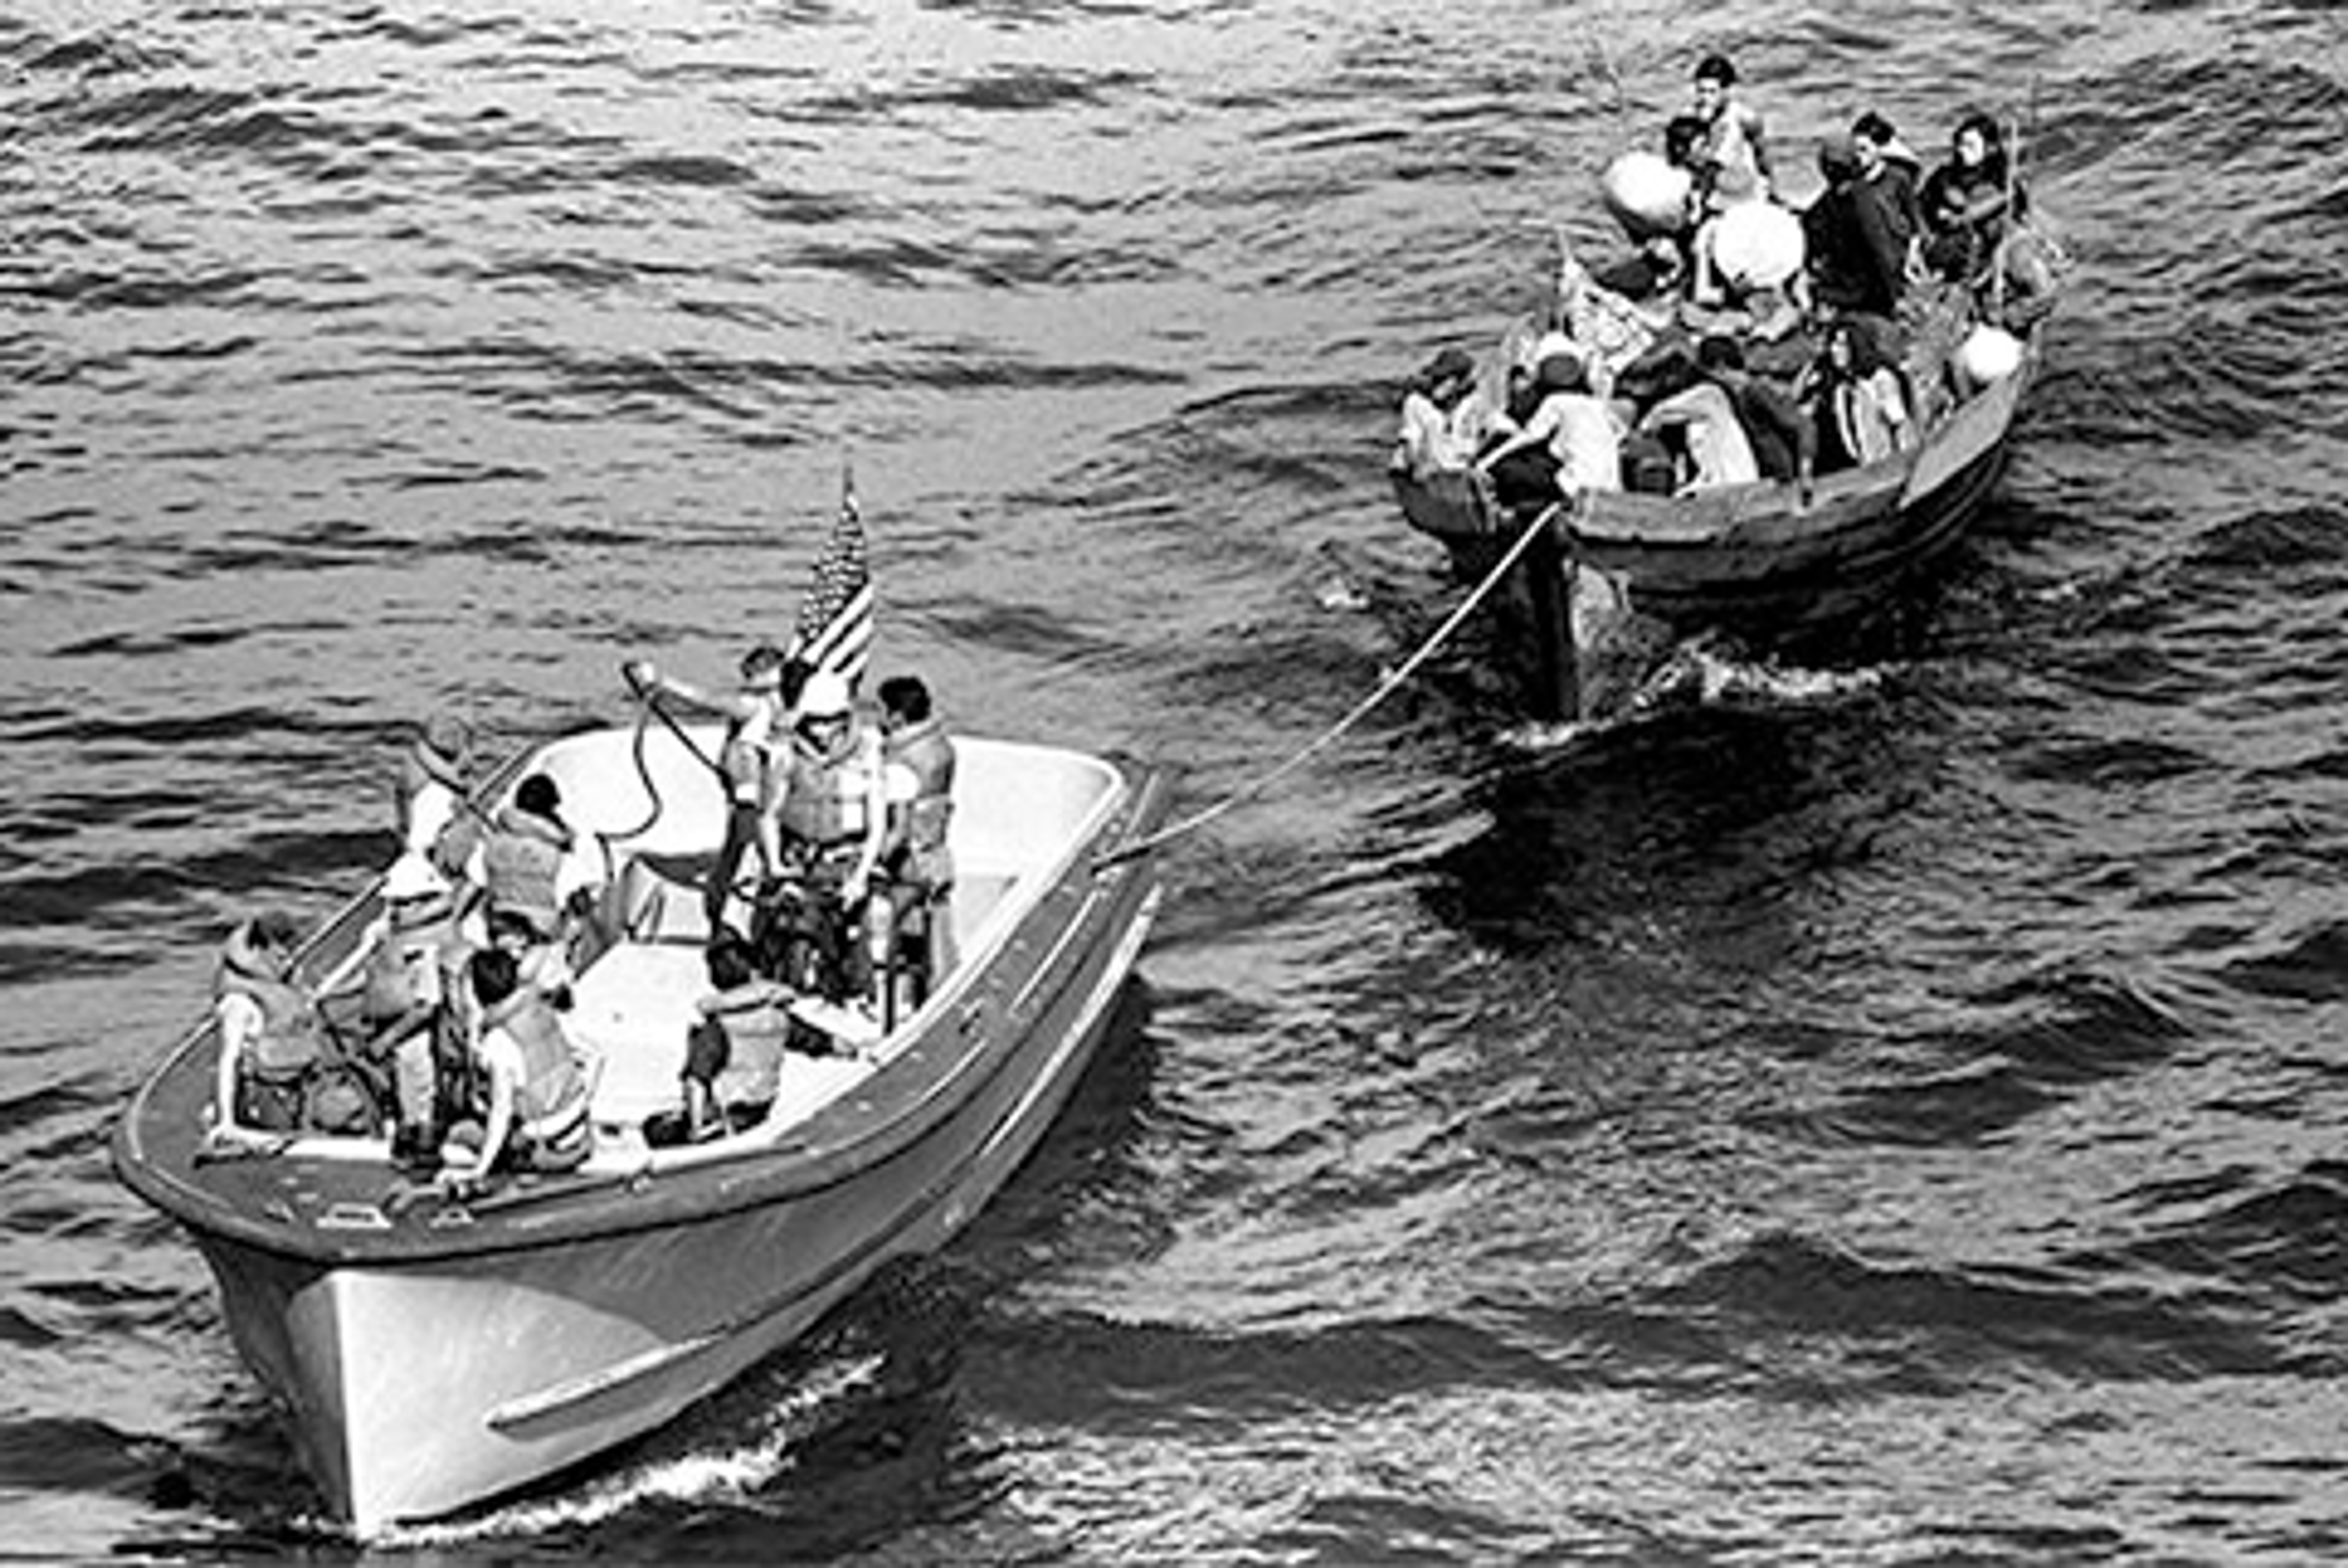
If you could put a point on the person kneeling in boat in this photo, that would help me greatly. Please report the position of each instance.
(733, 1049)
(279, 1071)
(827, 823)
(535, 1115)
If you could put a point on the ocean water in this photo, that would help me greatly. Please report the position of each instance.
(1900, 1128)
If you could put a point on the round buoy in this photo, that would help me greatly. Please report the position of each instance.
(1647, 195)
(1757, 245)
(1988, 355)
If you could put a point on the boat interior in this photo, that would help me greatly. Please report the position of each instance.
(647, 813)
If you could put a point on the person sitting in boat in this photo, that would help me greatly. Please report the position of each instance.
(534, 1111)
(733, 1049)
(1443, 418)
(408, 980)
(274, 1047)
(915, 859)
(533, 879)
(755, 719)
(1698, 425)
(1568, 445)
(432, 794)
(1732, 134)
(1782, 435)
(828, 818)
(1855, 239)
(1859, 399)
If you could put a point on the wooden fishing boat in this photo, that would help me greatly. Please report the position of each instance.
(433, 1351)
(1622, 576)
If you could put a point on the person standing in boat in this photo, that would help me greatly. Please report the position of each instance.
(1733, 133)
(534, 881)
(273, 1039)
(920, 756)
(756, 717)
(1976, 215)
(829, 817)
(534, 1116)
(1856, 241)
(407, 982)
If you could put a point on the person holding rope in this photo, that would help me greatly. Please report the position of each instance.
(756, 719)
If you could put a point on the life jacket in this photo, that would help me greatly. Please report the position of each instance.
(826, 798)
(757, 1020)
(924, 751)
(290, 1041)
(521, 861)
(550, 1101)
(403, 970)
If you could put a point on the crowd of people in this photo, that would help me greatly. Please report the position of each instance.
(448, 1029)
(1744, 338)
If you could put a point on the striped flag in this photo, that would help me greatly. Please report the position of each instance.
(835, 629)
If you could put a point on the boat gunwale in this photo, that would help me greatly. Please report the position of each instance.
(706, 1182)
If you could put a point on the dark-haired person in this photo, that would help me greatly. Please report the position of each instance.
(757, 715)
(1784, 437)
(1971, 203)
(1895, 171)
(1733, 133)
(272, 1038)
(1856, 245)
(535, 1115)
(916, 862)
(733, 1049)
(1443, 419)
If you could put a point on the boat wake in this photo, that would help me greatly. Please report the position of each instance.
(700, 1477)
(1701, 673)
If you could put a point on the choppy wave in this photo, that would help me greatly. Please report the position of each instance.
(1891, 1127)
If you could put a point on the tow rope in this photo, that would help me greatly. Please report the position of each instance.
(1385, 688)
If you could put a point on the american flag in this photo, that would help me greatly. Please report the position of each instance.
(835, 629)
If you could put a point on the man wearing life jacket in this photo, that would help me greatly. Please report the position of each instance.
(827, 821)
(272, 1038)
(919, 757)
(407, 982)
(536, 1113)
(733, 1049)
(755, 716)
(532, 881)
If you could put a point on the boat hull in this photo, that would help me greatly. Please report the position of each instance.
(433, 1355)
(1759, 564)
